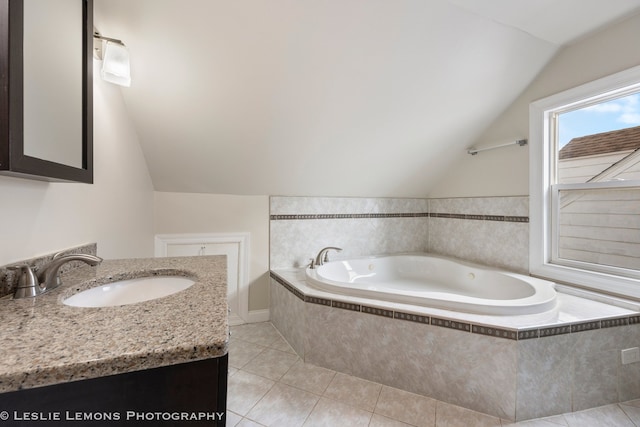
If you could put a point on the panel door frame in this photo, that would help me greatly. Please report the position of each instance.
(236, 247)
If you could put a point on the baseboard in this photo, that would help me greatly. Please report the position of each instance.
(256, 316)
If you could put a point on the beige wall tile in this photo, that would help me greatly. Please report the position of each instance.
(544, 376)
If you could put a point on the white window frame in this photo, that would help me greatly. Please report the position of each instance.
(541, 168)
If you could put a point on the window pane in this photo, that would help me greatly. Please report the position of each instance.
(600, 226)
(595, 142)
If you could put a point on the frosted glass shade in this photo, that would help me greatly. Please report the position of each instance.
(115, 64)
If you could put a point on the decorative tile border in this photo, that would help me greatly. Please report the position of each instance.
(411, 317)
(511, 334)
(501, 218)
(319, 301)
(451, 324)
(554, 330)
(612, 323)
(377, 311)
(289, 217)
(587, 326)
(346, 305)
(528, 334)
(495, 332)
(634, 320)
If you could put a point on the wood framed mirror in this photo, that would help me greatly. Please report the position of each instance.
(46, 89)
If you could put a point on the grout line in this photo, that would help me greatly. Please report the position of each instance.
(378, 398)
(261, 398)
(311, 411)
(627, 415)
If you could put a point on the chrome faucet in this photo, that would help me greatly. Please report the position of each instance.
(323, 255)
(31, 285)
(49, 277)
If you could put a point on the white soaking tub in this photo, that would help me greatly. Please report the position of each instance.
(435, 281)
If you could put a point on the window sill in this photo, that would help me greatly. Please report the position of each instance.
(596, 282)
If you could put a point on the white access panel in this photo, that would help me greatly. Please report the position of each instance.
(234, 246)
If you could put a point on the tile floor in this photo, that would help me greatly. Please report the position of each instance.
(269, 385)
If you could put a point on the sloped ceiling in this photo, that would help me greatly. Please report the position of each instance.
(329, 97)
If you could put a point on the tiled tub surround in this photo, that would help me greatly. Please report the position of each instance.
(513, 367)
(301, 226)
(487, 230)
(45, 342)
(9, 278)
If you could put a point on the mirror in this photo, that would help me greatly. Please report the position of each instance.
(46, 129)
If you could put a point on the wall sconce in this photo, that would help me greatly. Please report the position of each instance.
(115, 59)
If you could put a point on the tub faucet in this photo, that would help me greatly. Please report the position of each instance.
(323, 255)
(49, 278)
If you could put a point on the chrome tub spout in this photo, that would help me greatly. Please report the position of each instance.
(323, 255)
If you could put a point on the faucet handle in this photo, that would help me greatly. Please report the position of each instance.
(28, 285)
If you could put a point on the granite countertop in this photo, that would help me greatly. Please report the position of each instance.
(45, 342)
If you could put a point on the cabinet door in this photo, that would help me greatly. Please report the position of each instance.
(126, 399)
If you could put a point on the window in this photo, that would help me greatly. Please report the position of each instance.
(585, 185)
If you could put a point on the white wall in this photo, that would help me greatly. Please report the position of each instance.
(116, 211)
(178, 213)
(505, 171)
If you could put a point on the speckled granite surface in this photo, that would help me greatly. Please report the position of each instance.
(44, 342)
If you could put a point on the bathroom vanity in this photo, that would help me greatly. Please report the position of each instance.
(157, 362)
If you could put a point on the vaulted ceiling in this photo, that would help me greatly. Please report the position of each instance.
(329, 97)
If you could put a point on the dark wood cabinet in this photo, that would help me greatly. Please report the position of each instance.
(188, 394)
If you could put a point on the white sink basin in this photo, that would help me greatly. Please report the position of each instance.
(129, 291)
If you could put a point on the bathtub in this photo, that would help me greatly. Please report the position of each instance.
(435, 281)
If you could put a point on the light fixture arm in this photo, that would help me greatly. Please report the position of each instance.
(97, 35)
(98, 46)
